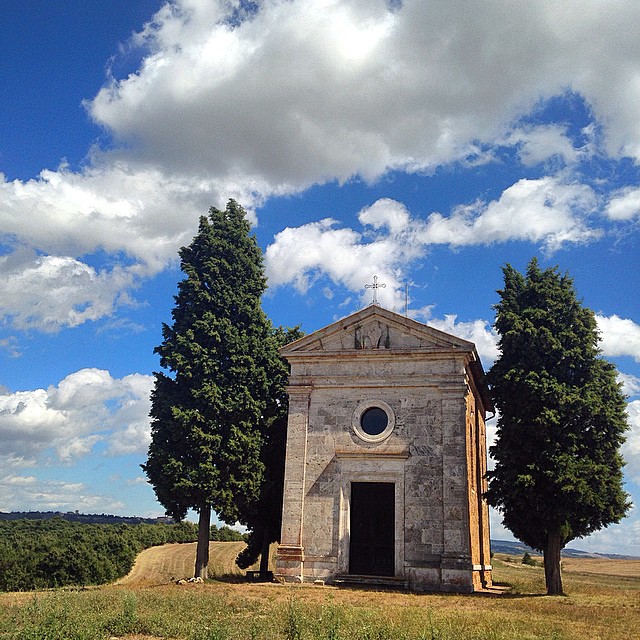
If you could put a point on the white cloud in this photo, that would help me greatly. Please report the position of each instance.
(77, 448)
(131, 433)
(479, 332)
(10, 346)
(50, 495)
(624, 204)
(48, 292)
(386, 213)
(539, 144)
(631, 448)
(112, 206)
(303, 254)
(542, 211)
(86, 408)
(319, 90)
(354, 87)
(622, 538)
(619, 336)
(54, 224)
(630, 384)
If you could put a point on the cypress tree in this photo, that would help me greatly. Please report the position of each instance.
(211, 410)
(558, 473)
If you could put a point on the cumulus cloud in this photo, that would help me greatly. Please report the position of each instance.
(55, 223)
(479, 332)
(248, 105)
(386, 213)
(86, 408)
(354, 87)
(16, 491)
(543, 211)
(48, 292)
(631, 448)
(542, 143)
(619, 336)
(624, 204)
(302, 255)
(111, 206)
(630, 384)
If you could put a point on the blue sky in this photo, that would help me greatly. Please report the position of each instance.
(427, 143)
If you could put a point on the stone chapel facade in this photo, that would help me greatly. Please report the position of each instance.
(386, 457)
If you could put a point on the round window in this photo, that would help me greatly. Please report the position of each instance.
(373, 421)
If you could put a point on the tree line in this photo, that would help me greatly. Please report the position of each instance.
(48, 553)
(86, 518)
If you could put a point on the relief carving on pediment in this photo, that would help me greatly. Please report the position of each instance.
(373, 336)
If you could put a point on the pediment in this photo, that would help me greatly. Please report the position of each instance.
(375, 328)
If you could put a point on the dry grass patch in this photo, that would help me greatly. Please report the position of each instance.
(149, 607)
(170, 562)
(605, 567)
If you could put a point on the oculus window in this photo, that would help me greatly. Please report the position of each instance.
(373, 421)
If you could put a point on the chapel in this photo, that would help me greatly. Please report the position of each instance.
(386, 457)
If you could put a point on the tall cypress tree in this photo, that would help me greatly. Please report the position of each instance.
(558, 473)
(211, 410)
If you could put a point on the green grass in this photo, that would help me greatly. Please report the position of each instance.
(597, 607)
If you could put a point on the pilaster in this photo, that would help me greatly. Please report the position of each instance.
(290, 555)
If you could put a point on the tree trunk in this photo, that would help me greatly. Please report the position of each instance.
(264, 554)
(552, 573)
(202, 550)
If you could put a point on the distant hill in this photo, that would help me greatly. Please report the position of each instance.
(74, 516)
(519, 549)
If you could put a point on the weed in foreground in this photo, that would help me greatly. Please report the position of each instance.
(294, 621)
(52, 618)
(126, 622)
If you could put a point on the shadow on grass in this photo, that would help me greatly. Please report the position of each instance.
(230, 578)
(505, 590)
(498, 590)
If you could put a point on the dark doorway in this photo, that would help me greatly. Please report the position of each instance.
(372, 544)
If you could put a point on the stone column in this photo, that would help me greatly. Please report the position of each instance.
(290, 556)
(456, 566)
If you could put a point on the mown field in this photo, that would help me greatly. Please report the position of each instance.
(170, 562)
(603, 601)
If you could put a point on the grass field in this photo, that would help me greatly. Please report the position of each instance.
(603, 601)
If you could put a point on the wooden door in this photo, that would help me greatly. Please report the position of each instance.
(372, 529)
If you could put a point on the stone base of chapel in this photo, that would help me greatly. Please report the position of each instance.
(289, 563)
(451, 575)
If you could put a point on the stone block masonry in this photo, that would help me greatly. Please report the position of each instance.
(397, 409)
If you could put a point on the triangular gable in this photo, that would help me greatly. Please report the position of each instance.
(375, 327)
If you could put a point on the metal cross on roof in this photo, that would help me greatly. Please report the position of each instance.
(375, 286)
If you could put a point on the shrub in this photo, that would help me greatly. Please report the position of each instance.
(528, 560)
